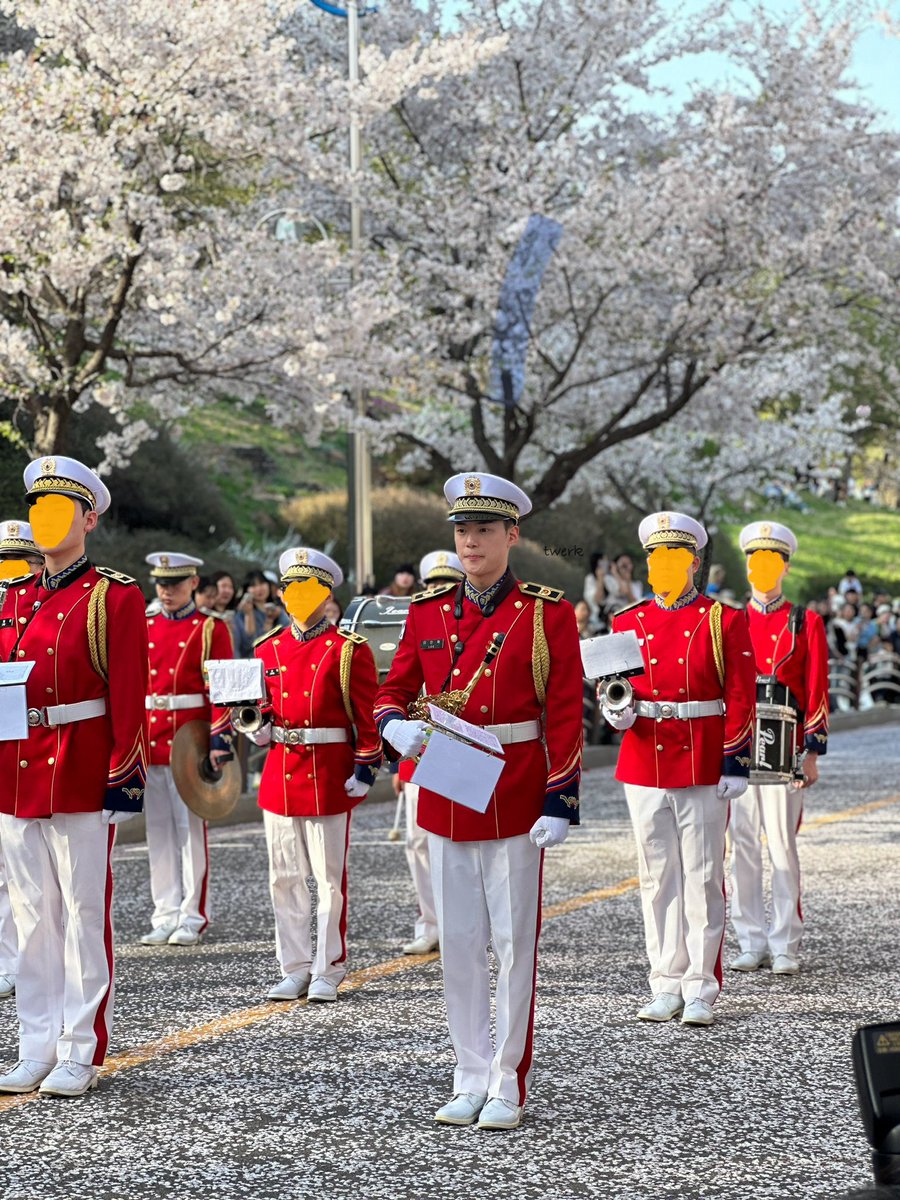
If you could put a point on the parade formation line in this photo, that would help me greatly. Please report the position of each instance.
(246, 1017)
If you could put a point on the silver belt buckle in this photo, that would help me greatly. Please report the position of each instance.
(160, 701)
(36, 716)
(292, 737)
(666, 710)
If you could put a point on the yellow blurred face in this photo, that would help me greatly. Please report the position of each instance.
(765, 569)
(10, 568)
(303, 596)
(51, 519)
(670, 570)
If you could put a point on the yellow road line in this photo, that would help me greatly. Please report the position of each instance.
(244, 1018)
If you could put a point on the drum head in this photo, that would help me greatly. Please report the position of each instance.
(380, 620)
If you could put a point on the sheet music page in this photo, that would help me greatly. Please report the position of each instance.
(458, 771)
(464, 729)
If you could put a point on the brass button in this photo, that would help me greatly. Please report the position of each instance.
(153, 671)
(685, 747)
(181, 645)
(774, 637)
(50, 651)
(488, 671)
(518, 604)
(456, 669)
(687, 633)
(22, 591)
(329, 643)
(446, 608)
(59, 616)
(171, 670)
(453, 637)
(703, 610)
(309, 776)
(23, 762)
(306, 693)
(681, 660)
(650, 637)
(653, 662)
(86, 585)
(312, 666)
(656, 691)
(768, 660)
(484, 708)
(152, 645)
(660, 747)
(306, 722)
(50, 762)
(21, 654)
(284, 694)
(640, 614)
(681, 691)
(153, 743)
(49, 691)
(283, 669)
(196, 621)
(153, 720)
(287, 776)
(22, 620)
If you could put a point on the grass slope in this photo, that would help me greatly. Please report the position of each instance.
(832, 538)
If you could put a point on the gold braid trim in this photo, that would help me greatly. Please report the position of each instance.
(209, 626)
(718, 645)
(540, 658)
(346, 660)
(96, 629)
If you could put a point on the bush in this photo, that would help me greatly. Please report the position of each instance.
(406, 524)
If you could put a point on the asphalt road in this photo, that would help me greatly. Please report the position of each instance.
(212, 1092)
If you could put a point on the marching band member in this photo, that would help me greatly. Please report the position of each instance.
(19, 556)
(321, 684)
(486, 868)
(440, 566)
(798, 657)
(79, 769)
(181, 640)
(684, 757)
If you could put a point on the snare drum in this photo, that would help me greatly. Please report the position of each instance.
(380, 619)
(774, 741)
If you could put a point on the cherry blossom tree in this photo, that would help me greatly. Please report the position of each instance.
(141, 142)
(702, 252)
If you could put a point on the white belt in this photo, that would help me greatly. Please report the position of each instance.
(517, 731)
(170, 703)
(683, 711)
(308, 737)
(65, 714)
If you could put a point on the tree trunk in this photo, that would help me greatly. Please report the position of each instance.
(51, 424)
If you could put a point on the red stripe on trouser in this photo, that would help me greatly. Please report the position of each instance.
(718, 967)
(101, 1026)
(527, 1054)
(799, 901)
(343, 921)
(204, 890)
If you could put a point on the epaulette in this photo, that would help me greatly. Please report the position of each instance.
(115, 576)
(265, 637)
(356, 638)
(8, 583)
(440, 590)
(541, 592)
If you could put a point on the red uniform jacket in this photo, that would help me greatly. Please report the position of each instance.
(680, 665)
(805, 673)
(303, 682)
(179, 647)
(85, 646)
(540, 776)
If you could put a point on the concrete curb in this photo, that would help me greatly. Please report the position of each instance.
(382, 791)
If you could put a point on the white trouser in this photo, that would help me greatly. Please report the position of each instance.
(680, 836)
(60, 884)
(776, 810)
(9, 945)
(179, 855)
(300, 847)
(489, 892)
(419, 865)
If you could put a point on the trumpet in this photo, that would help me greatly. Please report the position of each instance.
(455, 701)
(247, 718)
(614, 693)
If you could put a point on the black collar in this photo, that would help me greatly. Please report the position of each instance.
(68, 575)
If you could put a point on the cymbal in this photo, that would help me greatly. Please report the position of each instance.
(208, 793)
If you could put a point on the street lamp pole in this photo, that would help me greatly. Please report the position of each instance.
(361, 468)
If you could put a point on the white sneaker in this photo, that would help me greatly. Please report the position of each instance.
(463, 1109)
(500, 1114)
(420, 945)
(184, 937)
(69, 1079)
(7, 986)
(751, 960)
(292, 987)
(785, 965)
(663, 1007)
(25, 1076)
(322, 991)
(697, 1012)
(158, 936)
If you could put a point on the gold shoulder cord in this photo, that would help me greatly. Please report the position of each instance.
(540, 659)
(206, 643)
(96, 629)
(346, 659)
(718, 645)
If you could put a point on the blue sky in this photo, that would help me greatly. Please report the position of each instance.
(876, 61)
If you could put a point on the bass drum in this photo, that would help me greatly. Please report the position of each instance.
(380, 620)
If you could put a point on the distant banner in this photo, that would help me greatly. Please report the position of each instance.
(517, 298)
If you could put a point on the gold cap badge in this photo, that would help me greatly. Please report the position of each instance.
(301, 558)
(441, 560)
(663, 521)
(164, 560)
(765, 530)
(48, 466)
(473, 485)
(12, 529)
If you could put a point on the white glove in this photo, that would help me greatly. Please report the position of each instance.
(620, 720)
(263, 735)
(114, 816)
(407, 737)
(355, 787)
(549, 831)
(730, 787)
